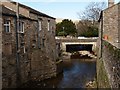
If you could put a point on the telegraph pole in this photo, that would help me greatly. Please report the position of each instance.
(18, 75)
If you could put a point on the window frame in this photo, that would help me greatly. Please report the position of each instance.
(24, 49)
(7, 25)
(48, 25)
(21, 27)
(40, 24)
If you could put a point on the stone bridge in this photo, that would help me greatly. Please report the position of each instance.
(66, 41)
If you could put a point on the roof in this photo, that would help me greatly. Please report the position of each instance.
(34, 11)
(107, 9)
(6, 11)
(111, 6)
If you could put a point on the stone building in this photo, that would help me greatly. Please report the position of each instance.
(110, 24)
(28, 45)
(109, 42)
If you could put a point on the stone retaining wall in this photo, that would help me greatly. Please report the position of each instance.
(111, 59)
(42, 67)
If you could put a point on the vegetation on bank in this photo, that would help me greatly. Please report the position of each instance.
(114, 50)
(66, 27)
(92, 31)
(88, 24)
(102, 77)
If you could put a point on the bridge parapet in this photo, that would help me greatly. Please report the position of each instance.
(71, 41)
(76, 39)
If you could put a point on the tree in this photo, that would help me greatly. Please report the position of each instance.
(92, 11)
(66, 27)
(82, 26)
(92, 32)
(88, 26)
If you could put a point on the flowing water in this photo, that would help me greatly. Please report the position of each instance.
(76, 73)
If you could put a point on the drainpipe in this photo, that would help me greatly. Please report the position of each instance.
(18, 76)
(101, 35)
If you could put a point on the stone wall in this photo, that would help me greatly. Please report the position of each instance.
(9, 49)
(42, 67)
(111, 24)
(109, 44)
(8, 55)
(35, 63)
(0, 48)
(102, 77)
(111, 59)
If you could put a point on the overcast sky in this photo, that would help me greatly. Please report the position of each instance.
(60, 8)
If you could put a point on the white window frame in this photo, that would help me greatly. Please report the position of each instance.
(7, 25)
(21, 27)
(40, 24)
(48, 23)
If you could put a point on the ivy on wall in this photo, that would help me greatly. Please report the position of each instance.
(111, 56)
(111, 48)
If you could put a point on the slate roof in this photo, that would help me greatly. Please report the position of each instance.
(34, 11)
(30, 9)
(7, 11)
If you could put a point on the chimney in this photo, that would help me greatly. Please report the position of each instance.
(110, 3)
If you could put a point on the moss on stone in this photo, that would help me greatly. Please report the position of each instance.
(102, 78)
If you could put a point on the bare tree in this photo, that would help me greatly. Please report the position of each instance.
(82, 26)
(89, 17)
(92, 11)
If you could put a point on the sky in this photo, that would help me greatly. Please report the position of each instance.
(67, 9)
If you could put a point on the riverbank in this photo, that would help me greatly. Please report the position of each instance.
(83, 55)
(92, 84)
(102, 77)
(71, 73)
(75, 75)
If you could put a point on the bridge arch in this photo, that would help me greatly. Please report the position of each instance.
(64, 45)
(65, 41)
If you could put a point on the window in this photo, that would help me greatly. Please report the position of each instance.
(48, 25)
(40, 25)
(43, 42)
(21, 26)
(7, 25)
